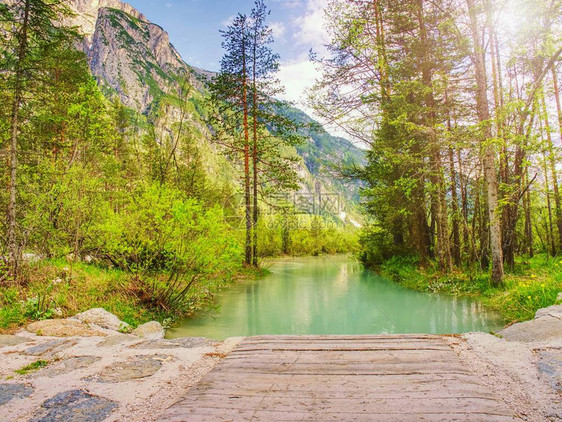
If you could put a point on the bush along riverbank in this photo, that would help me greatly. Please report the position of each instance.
(533, 284)
(62, 288)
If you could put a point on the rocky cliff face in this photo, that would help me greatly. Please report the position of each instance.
(128, 54)
(133, 57)
(87, 13)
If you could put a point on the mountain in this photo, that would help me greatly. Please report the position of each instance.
(134, 59)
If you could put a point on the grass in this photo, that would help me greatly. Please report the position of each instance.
(533, 284)
(60, 289)
(32, 367)
(53, 289)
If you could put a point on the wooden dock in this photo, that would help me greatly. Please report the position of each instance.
(341, 378)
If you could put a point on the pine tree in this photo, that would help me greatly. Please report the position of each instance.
(249, 121)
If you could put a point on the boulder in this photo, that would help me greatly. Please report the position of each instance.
(63, 328)
(546, 326)
(102, 318)
(151, 330)
(554, 311)
(559, 298)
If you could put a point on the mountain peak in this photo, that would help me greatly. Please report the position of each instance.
(87, 14)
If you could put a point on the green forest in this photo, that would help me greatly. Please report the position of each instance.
(148, 187)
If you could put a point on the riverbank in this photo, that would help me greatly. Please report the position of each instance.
(534, 284)
(62, 288)
(110, 376)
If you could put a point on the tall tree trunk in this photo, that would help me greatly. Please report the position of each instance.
(439, 207)
(549, 227)
(255, 158)
(456, 245)
(489, 152)
(557, 98)
(553, 173)
(468, 246)
(13, 246)
(528, 220)
(247, 195)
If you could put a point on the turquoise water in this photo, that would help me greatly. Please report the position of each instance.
(332, 295)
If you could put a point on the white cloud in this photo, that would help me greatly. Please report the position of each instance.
(310, 27)
(289, 4)
(228, 21)
(278, 30)
(297, 77)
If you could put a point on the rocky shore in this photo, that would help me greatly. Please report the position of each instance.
(93, 367)
(87, 369)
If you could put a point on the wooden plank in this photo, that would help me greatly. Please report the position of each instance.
(350, 381)
(303, 386)
(355, 406)
(402, 378)
(212, 415)
(336, 395)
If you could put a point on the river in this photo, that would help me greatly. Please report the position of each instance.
(332, 295)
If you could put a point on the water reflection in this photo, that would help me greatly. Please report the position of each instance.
(333, 295)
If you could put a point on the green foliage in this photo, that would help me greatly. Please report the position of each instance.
(533, 285)
(175, 249)
(299, 235)
(32, 367)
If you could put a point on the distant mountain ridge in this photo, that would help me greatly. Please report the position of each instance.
(134, 58)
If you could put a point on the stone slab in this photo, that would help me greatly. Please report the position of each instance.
(550, 367)
(135, 368)
(7, 340)
(9, 392)
(185, 343)
(75, 406)
(66, 366)
(50, 347)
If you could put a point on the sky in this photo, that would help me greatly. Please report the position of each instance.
(193, 25)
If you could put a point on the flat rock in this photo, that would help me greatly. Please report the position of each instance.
(50, 347)
(117, 340)
(554, 311)
(66, 366)
(7, 341)
(191, 342)
(184, 343)
(152, 330)
(539, 329)
(135, 368)
(154, 344)
(550, 367)
(75, 406)
(63, 328)
(9, 392)
(102, 318)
